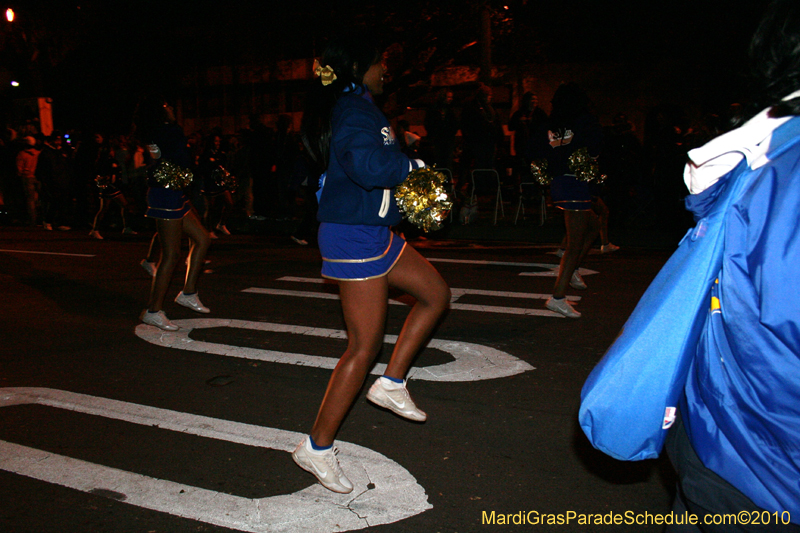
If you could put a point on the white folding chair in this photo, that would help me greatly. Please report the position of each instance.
(498, 201)
(521, 204)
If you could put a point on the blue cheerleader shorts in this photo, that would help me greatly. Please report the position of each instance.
(357, 252)
(571, 194)
(167, 204)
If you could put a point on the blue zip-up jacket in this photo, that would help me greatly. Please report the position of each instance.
(365, 165)
(742, 397)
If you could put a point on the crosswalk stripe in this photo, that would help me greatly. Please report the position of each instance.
(453, 305)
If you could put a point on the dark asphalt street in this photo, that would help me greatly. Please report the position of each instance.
(110, 426)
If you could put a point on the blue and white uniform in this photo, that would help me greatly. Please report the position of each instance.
(162, 202)
(356, 201)
(557, 145)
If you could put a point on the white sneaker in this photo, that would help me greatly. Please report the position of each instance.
(192, 302)
(148, 267)
(159, 320)
(559, 252)
(576, 282)
(223, 229)
(96, 234)
(608, 248)
(563, 307)
(323, 465)
(395, 397)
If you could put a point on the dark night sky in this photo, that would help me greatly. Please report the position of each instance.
(105, 51)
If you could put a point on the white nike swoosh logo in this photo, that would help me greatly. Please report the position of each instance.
(323, 475)
(398, 405)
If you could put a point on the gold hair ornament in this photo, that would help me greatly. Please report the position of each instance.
(326, 73)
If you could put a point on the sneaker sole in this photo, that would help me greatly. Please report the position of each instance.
(162, 327)
(388, 405)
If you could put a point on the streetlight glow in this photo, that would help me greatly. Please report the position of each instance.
(10, 15)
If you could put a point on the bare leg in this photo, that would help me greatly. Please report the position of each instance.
(151, 251)
(207, 217)
(414, 275)
(200, 241)
(98, 217)
(123, 206)
(582, 229)
(364, 304)
(600, 208)
(227, 204)
(169, 234)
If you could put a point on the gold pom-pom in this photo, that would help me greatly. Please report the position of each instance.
(423, 198)
(585, 166)
(102, 182)
(171, 176)
(223, 178)
(539, 171)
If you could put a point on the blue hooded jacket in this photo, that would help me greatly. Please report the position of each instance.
(742, 398)
(364, 167)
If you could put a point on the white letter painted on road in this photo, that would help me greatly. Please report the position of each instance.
(396, 494)
(473, 362)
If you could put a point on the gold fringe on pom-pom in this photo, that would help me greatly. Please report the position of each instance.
(539, 171)
(171, 176)
(224, 179)
(585, 167)
(102, 181)
(423, 198)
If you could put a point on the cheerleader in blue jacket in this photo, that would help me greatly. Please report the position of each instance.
(360, 162)
(173, 213)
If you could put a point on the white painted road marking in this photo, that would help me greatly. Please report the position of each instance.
(497, 263)
(456, 294)
(548, 269)
(396, 495)
(45, 253)
(473, 362)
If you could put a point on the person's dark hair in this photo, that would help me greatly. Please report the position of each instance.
(208, 146)
(775, 58)
(441, 97)
(150, 113)
(569, 102)
(350, 58)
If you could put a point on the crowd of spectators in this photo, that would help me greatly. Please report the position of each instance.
(97, 182)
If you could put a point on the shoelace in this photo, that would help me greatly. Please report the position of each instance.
(333, 462)
(406, 397)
